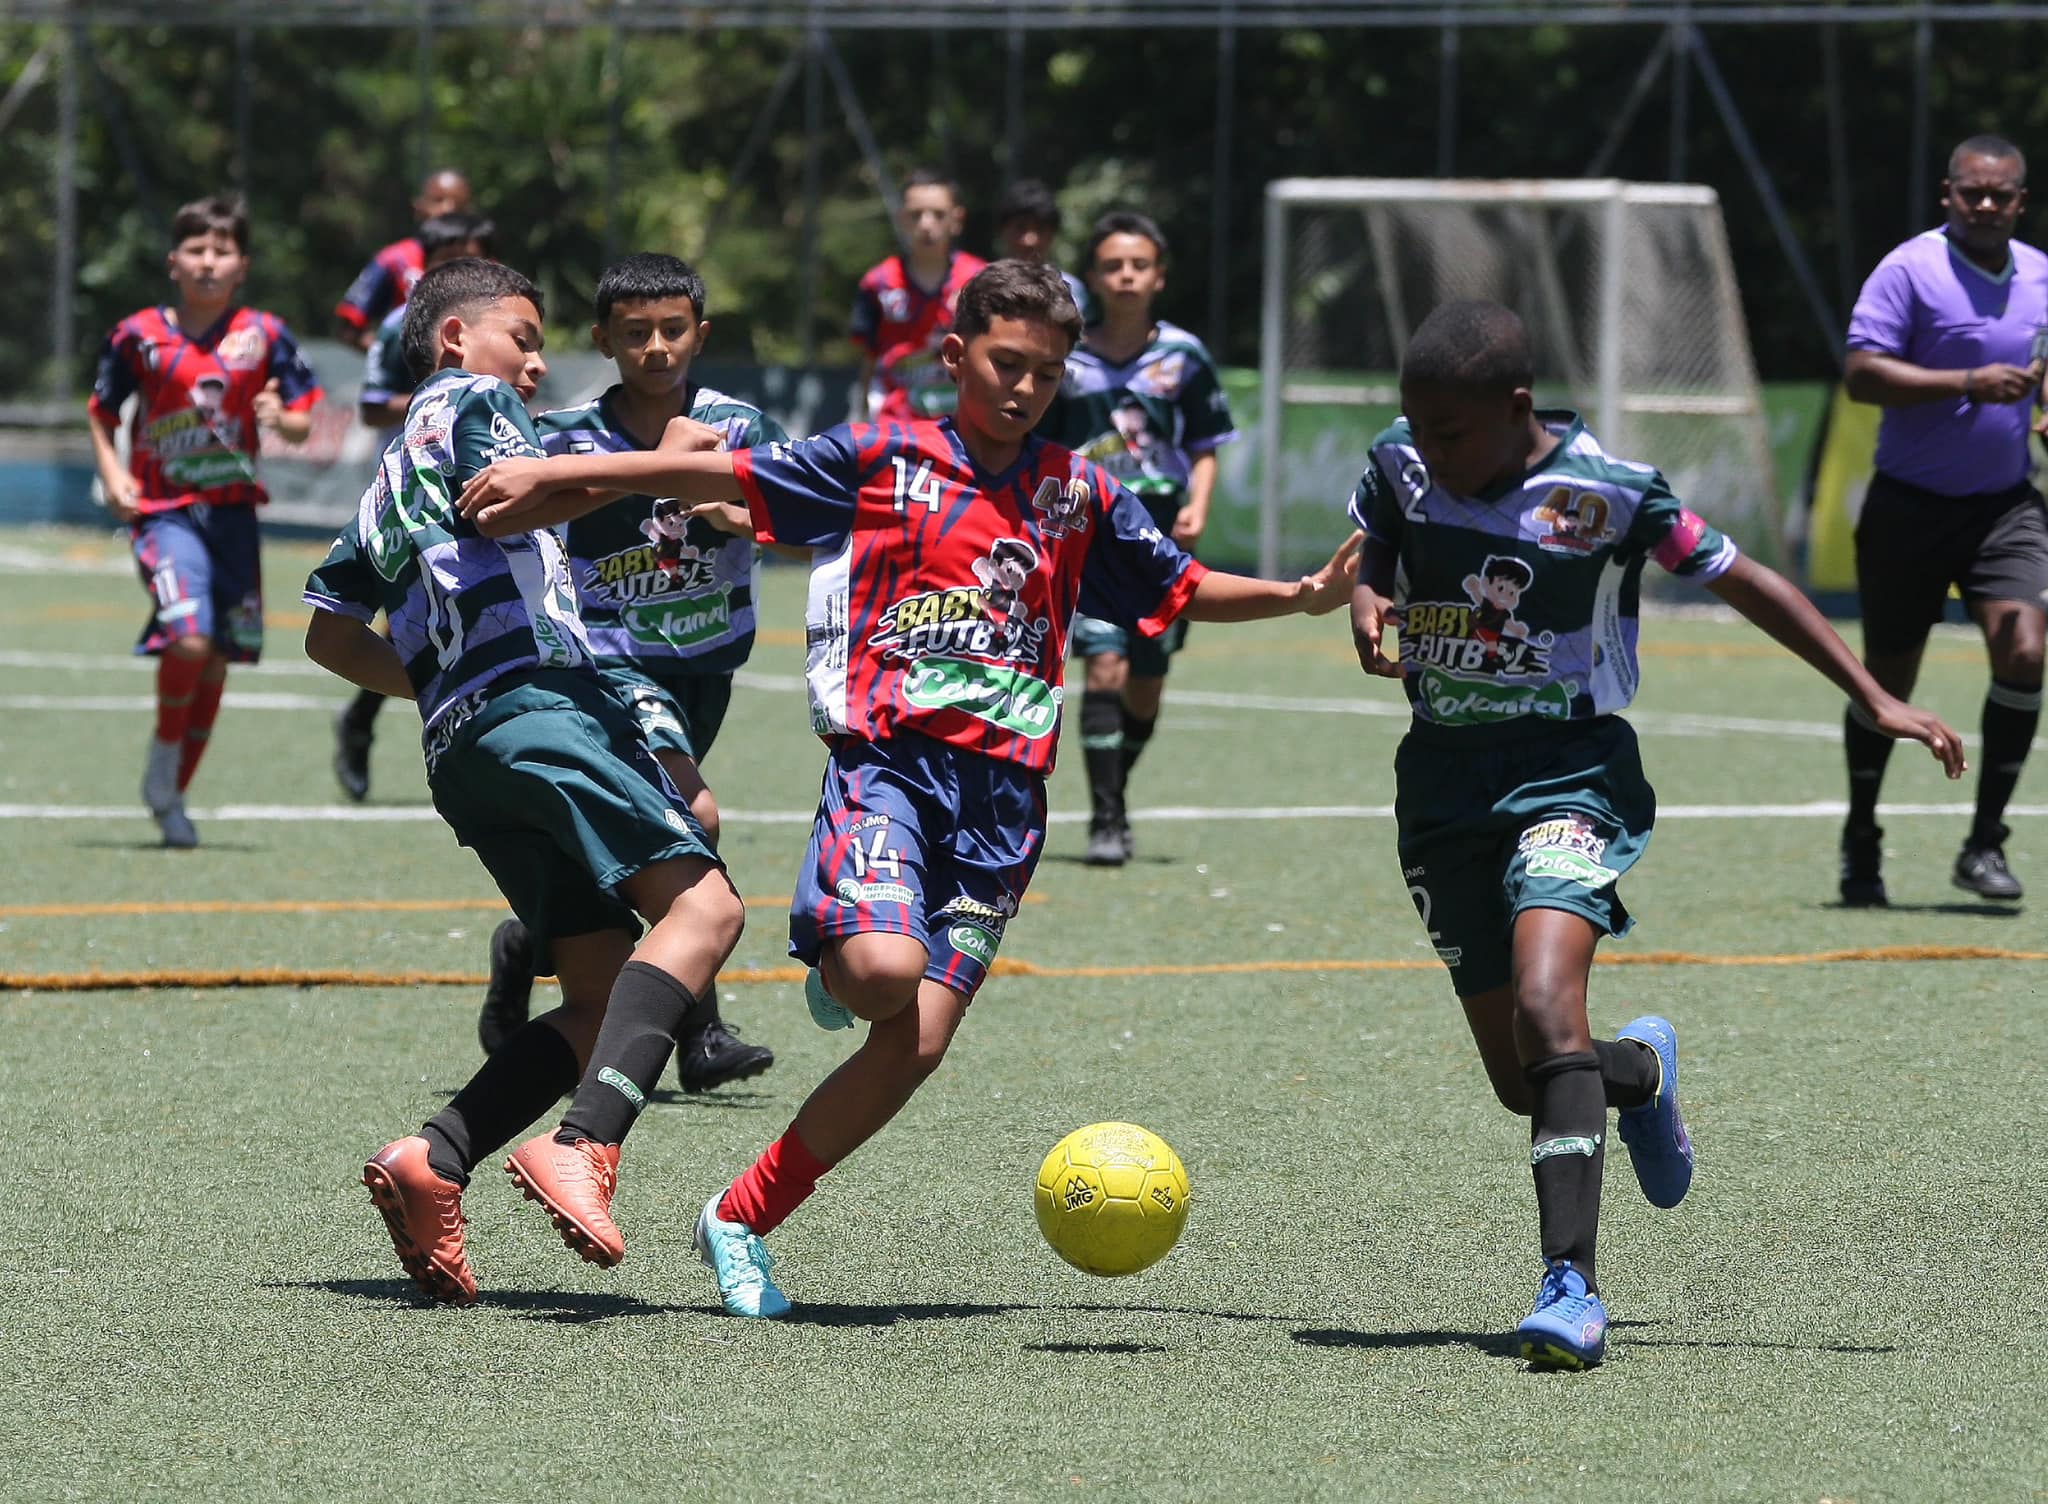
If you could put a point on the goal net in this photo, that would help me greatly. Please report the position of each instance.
(1628, 293)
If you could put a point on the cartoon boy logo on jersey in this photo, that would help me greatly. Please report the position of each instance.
(1506, 646)
(1002, 575)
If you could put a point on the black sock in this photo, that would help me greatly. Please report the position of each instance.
(531, 1071)
(1628, 1071)
(362, 710)
(1102, 751)
(648, 1011)
(2011, 714)
(1137, 731)
(1869, 750)
(1568, 1148)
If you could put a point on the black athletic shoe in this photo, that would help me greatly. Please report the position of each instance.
(716, 1055)
(1981, 870)
(352, 757)
(1108, 846)
(1862, 857)
(505, 999)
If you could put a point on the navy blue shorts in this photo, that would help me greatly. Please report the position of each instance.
(915, 837)
(204, 567)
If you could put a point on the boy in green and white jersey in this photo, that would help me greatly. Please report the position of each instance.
(1142, 399)
(669, 619)
(1518, 544)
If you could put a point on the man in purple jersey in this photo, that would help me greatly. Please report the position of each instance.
(1950, 338)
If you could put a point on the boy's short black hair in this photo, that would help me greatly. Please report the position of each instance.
(1028, 198)
(222, 212)
(444, 230)
(1016, 290)
(456, 288)
(645, 276)
(1501, 567)
(1470, 344)
(931, 177)
(1123, 222)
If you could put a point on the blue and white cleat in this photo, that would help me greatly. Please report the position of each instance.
(826, 1012)
(1658, 1146)
(1568, 1328)
(741, 1262)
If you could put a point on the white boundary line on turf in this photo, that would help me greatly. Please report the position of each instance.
(378, 814)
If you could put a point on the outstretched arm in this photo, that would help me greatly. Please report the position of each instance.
(520, 495)
(1775, 604)
(1373, 609)
(1238, 597)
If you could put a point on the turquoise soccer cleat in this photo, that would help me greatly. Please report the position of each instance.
(1658, 1146)
(1568, 1328)
(825, 1012)
(741, 1262)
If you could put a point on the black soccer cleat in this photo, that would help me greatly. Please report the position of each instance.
(716, 1056)
(1981, 869)
(1862, 861)
(352, 757)
(511, 986)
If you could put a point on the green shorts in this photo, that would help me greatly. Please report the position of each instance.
(676, 712)
(1148, 655)
(549, 783)
(1535, 818)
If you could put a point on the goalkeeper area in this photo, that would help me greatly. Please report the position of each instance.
(198, 1301)
(1628, 291)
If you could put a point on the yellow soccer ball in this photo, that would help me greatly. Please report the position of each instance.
(1112, 1198)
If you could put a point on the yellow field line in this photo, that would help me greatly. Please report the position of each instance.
(279, 976)
(299, 906)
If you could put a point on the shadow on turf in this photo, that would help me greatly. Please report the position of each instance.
(1115, 1348)
(1076, 859)
(206, 843)
(569, 1307)
(1509, 1345)
(1983, 909)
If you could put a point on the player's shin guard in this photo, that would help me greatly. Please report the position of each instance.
(1137, 732)
(774, 1186)
(1628, 1071)
(1102, 750)
(204, 711)
(531, 1071)
(2012, 712)
(1568, 1148)
(1868, 751)
(648, 1010)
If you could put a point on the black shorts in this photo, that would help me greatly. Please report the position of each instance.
(1913, 544)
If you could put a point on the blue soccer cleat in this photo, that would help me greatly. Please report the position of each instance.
(1658, 1145)
(741, 1262)
(1568, 1328)
(826, 1013)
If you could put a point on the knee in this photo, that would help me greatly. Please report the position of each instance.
(878, 979)
(1550, 1015)
(1107, 671)
(194, 648)
(2020, 665)
(714, 910)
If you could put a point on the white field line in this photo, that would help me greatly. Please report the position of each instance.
(1650, 722)
(379, 814)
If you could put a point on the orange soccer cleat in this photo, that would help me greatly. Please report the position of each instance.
(573, 1184)
(424, 1215)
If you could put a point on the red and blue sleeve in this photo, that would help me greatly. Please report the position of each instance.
(116, 376)
(296, 383)
(1135, 575)
(802, 494)
(373, 294)
(864, 326)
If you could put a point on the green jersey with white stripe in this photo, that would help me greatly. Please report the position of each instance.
(465, 610)
(1524, 602)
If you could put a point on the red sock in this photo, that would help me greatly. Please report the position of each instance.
(781, 1178)
(205, 708)
(177, 677)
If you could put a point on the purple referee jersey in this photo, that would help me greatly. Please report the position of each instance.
(1932, 306)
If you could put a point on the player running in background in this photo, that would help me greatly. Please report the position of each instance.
(535, 766)
(949, 558)
(1519, 798)
(1143, 400)
(1950, 338)
(387, 389)
(669, 620)
(904, 306)
(386, 281)
(1027, 227)
(209, 376)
